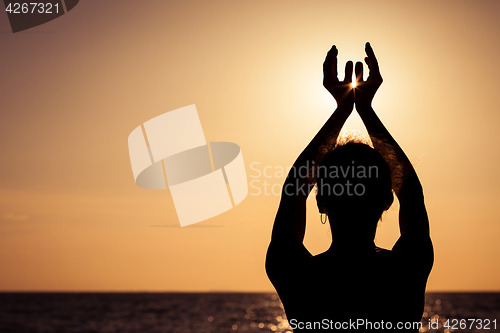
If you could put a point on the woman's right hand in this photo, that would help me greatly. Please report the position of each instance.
(342, 91)
(365, 90)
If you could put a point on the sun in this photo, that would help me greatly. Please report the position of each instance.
(353, 84)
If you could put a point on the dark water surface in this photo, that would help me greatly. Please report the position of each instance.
(205, 312)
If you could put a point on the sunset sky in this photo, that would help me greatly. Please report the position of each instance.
(72, 90)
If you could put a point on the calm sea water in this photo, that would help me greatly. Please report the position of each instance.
(200, 312)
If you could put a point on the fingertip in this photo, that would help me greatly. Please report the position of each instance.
(333, 50)
(348, 71)
(349, 66)
(369, 50)
(359, 70)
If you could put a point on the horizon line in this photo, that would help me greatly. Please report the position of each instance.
(197, 292)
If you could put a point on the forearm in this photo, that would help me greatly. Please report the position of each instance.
(413, 215)
(298, 175)
(331, 128)
(377, 131)
(290, 220)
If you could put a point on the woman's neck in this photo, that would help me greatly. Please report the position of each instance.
(353, 231)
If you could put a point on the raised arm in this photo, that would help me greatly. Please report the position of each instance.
(412, 214)
(290, 222)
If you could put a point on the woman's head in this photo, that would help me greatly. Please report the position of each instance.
(353, 178)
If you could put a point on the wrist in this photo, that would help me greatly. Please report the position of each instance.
(364, 105)
(345, 105)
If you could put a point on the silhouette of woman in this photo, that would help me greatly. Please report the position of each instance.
(354, 285)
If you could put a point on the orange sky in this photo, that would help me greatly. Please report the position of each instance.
(71, 216)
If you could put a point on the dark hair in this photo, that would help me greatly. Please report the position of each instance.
(353, 174)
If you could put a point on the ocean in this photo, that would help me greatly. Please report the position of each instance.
(208, 312)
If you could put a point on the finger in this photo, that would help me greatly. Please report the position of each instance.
(368, 63)
(371, 60)
(358, 70)
(348, 72)
(330, 65)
